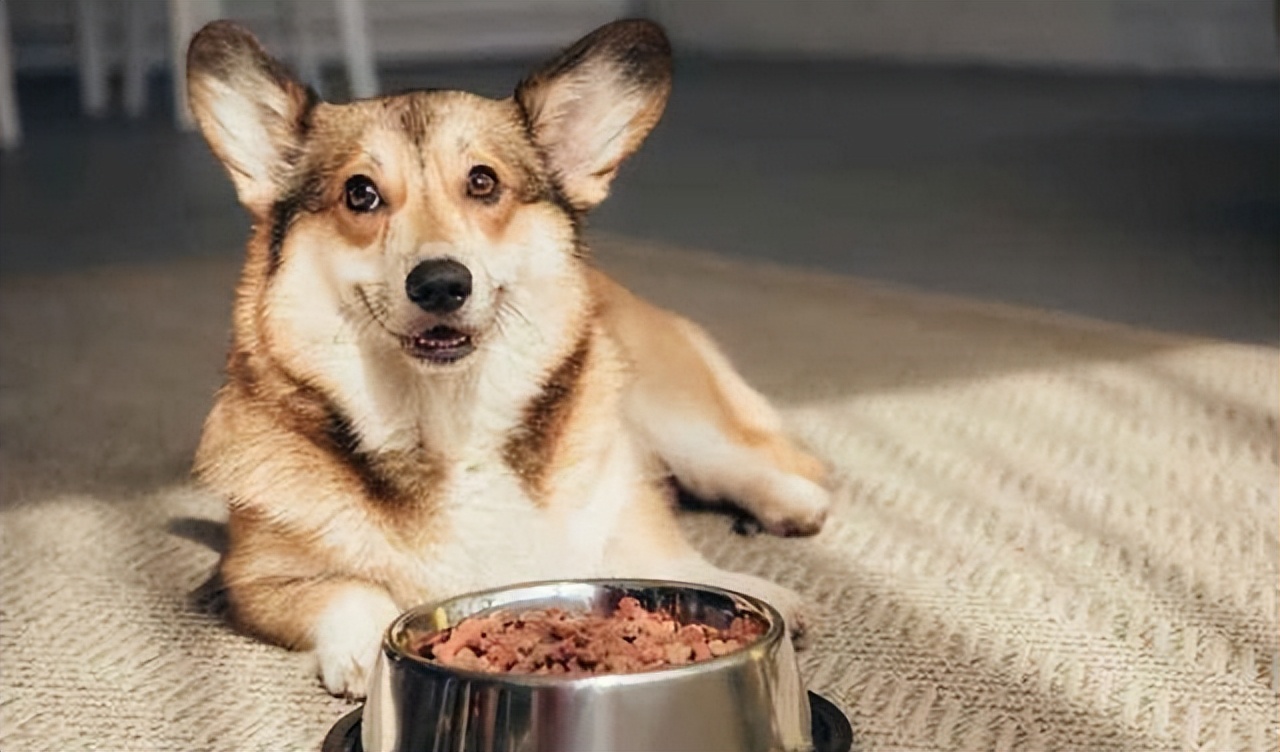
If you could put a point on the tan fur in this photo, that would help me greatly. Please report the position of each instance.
(683, 382)
(361, 479)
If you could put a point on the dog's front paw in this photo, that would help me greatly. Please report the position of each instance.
(792, 506)
(348, 638)
(346, 673)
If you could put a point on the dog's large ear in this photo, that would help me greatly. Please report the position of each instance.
(249, 108)
(591, 106)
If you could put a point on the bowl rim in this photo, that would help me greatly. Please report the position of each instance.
(773, 636)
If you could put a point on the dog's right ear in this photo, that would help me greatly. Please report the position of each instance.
(249, 108)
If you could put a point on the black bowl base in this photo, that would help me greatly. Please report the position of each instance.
(831, 729)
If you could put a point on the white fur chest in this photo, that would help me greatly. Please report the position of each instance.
(486, 530)
(493, 533)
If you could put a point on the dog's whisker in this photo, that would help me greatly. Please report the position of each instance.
(516, 310)
(508, 308)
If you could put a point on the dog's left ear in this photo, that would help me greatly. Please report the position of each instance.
(591, 106)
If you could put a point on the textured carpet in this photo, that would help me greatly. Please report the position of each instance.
(1049, 533)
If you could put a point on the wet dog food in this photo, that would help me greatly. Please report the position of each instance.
(554, 641)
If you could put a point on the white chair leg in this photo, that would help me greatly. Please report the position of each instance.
(306, 59)
(185, 19)
(10, 122)
(137, 14)
(357, 48)
(89, 49)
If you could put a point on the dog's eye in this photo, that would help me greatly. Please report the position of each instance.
(361, 194)
(482, 181)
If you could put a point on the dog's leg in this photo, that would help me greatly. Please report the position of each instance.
(721, 439)
(341, 621)
(348, 635)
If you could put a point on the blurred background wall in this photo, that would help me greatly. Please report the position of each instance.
(1230, 37)
(1210, 37)
(402, 30)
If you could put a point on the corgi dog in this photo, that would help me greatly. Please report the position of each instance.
(430, 390)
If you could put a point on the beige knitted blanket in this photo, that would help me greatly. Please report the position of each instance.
(1049, 533)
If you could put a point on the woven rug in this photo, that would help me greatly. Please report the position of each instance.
(1049, 533)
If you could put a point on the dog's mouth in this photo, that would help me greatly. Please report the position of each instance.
(439, 345)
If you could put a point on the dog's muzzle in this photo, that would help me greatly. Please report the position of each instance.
(439, 287)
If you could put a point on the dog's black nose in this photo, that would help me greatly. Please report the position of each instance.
(439, 285)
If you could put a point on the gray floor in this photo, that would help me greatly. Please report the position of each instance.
(1153, 202)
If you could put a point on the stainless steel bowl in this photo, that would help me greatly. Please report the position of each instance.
(746, 701)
